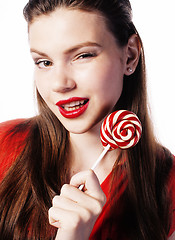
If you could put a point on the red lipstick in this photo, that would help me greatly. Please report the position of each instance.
(73, 107)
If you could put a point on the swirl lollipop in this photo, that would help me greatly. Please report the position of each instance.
(121, 129)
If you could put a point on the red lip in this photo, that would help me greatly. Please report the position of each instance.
(74, 113)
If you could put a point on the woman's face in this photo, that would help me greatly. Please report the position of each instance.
(79, 67)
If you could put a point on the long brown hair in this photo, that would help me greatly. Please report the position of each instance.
(42, 167)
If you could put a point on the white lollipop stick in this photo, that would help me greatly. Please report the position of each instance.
(101, 156)
(98, 161)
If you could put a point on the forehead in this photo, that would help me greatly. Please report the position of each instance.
(67, 26)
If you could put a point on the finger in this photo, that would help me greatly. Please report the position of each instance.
(54, 217)
(61, 201)
(66, 204)
(69, 221)
(91, 183)
(72, 206)
(73, 193)
(60, 218)
(93, 205)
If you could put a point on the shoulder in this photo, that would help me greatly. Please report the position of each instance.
(8, 125)
(172, 173)
(13, 131)
(13, 135)
(171, 189)
(171, 182)
(165, 179)
(13, 127)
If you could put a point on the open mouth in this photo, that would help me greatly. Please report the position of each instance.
(73, 107)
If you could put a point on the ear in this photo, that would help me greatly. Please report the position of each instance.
(133, 49)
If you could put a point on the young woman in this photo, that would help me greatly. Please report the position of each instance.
(89, 62)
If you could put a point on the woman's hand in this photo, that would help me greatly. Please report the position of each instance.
(74, 212)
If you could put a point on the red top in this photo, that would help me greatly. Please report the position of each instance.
(11, 146)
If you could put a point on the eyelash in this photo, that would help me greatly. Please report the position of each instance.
(85, 55)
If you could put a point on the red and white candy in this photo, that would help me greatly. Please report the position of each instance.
(121, 129)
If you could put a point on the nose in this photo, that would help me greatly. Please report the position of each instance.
(62, 79)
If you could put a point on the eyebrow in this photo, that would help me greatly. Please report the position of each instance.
(72, 49)
(32, 50)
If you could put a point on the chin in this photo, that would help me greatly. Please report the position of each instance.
(77, 130)
(81, 129)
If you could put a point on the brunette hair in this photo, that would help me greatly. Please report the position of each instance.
(42, 167)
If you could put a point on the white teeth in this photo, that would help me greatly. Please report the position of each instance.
(71, 108)
(73, 105)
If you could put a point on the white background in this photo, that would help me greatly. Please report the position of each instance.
(155, 21)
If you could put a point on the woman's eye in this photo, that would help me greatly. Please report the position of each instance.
(85, 56)
(43, 63)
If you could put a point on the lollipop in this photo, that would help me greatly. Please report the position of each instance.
(121, 129)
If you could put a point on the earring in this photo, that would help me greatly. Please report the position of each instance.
(130, 69)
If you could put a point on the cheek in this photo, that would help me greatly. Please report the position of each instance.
(110, 81)
(42, 87)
